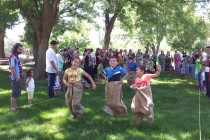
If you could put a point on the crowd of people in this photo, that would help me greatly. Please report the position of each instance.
(70, 71)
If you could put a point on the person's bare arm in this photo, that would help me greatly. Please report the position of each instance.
(54, 66)
(157, 73)
(14, 73)
(83, 59)
(105, 77)
(90, 78)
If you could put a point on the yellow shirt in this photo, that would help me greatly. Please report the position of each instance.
(120, 58)
(74, 75)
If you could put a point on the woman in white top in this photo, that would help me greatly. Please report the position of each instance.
(30, 85)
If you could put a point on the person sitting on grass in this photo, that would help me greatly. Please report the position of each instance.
(114, 75)
(72, 79)
(142, 103)
(30, 86)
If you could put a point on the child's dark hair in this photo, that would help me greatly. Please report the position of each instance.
(114, 57)
(131, 58)
(28, 73)
(100, 61)
(142, 67)
(196, 56)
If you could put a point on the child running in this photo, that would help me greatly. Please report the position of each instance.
(142, 103)
(72, 79)
(30, 86)
(114, 76)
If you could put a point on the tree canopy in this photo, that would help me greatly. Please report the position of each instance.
(148, 21)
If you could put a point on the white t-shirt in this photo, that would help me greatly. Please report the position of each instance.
(204, 56)
(51, 56)
(31, 85)
(206, 69)
(92, 55)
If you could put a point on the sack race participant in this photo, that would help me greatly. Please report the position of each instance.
(114, 76)
(72, 79)
(142, 103)
(131, 65)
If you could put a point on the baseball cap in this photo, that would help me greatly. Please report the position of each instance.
(60, 50)
(53, 42)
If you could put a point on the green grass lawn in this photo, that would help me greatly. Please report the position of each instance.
(176, 114)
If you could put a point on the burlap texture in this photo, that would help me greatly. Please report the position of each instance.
(114, 105)
(142, 102)
(73, 97)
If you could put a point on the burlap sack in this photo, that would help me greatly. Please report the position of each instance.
(131, 78)
(142, 102)
(73, 97)
(114, 105)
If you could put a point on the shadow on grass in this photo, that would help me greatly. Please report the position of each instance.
(176, 115)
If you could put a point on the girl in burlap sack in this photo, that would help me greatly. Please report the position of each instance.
(114, 76)
(72, 79)
(142, 103)
(131, 65)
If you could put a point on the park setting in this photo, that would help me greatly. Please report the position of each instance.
(104, 69)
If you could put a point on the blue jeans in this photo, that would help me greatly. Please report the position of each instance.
(193, 70)
(207, 82)
(199, 81)
(51, 84)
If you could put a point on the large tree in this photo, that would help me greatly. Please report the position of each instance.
(151, 21)
(8, 17)
(111, 12)
(41, 16)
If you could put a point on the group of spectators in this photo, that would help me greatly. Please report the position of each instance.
(187, 64)
(193, 64)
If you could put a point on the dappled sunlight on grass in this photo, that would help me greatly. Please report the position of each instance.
(136, 133)
(115, 137)
(4, 92)
(57, 112)
(186, 135)
(162, 136)
(175, 107)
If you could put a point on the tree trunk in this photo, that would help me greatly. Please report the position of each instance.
(157, 48)
(109, 24)
(35, 48)
(41, 60)
(2, 34)
(42, 27)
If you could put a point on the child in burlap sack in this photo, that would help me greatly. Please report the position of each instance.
(142, 103)
(114, 75)
(72, 79)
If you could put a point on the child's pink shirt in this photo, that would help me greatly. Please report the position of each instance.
(143, 81)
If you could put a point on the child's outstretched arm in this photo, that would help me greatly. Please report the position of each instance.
(90, 78)
(157, 73)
